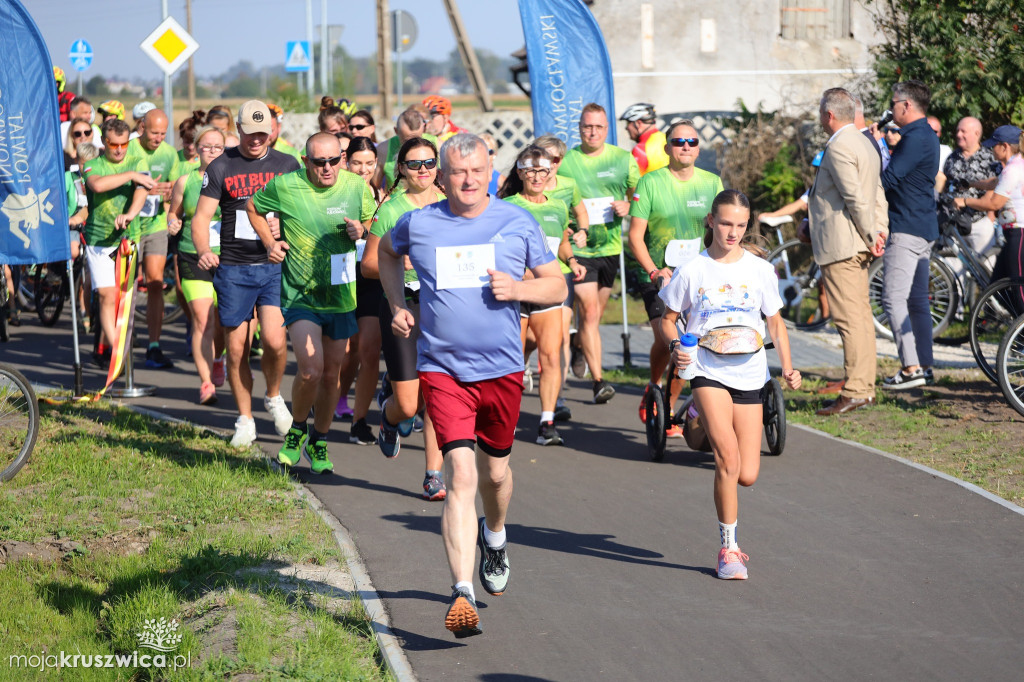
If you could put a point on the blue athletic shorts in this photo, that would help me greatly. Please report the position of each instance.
(240, 288)
(336, 326)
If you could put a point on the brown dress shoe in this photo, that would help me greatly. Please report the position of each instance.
(843, 405)
(832, 388)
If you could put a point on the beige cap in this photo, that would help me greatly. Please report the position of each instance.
(254, 117)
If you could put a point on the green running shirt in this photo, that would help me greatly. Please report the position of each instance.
(389, 213)
(104, 207)
(189, 200)
(612, 173)
(319, 268)
(553, 217)
(673, 208)
(161, 163)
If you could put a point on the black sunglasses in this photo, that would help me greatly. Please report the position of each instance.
(357, 126)
(680, 141)
(82, 133)
(417, 164)
(320, 163)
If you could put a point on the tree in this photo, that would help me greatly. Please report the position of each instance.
(243, 86)
(970, 53)
(97, 87)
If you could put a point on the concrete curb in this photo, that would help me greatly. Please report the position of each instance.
(391, 650)
(921, 467)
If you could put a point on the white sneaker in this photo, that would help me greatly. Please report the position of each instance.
(280, 412)
(245, 432)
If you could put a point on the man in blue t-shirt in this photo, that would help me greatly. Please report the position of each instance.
(470, 253)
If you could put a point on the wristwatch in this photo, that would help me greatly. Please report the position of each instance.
(652, 273)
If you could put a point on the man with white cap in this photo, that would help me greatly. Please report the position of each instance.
(244, 278)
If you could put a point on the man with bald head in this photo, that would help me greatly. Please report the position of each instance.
(160, 157)
(323, 210)
(971, 163)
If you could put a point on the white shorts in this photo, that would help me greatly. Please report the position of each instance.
(101, 266)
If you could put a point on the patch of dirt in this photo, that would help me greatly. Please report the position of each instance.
(123, 542)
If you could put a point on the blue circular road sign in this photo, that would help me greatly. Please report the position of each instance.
(80, 54)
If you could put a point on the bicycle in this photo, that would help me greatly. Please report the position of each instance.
(991, 315)
(19, 421)
(1010, 365)
(801, 286)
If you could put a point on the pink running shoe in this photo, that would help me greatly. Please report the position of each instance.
(207, 394)
(730, 564)
(217, 373)
(343, 410)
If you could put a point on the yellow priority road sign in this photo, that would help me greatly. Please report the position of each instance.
(169, 45)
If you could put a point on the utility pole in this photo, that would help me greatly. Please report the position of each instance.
(384, 80)
(469, 60)
(309, 38)
(191, 70)
(324, 88)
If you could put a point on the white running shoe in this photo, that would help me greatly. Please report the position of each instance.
(280, 412)
(245, 432)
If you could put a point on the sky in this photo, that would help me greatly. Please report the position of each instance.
(255, 30)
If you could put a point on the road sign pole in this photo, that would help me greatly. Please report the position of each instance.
(397, 38)
(168, 95)
(81, 91)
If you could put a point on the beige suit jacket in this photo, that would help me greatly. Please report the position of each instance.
(847, 205)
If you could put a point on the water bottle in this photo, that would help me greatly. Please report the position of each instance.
(688, 344)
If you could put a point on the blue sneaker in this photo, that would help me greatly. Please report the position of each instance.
(406, 426)
(388, 439)
(384, 392)
(155, 359)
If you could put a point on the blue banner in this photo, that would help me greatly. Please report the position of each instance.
(33, 200)
(569, 66)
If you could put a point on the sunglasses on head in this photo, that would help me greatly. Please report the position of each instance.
(320, 163)
(358, 126)
(424, 163)
(82, 133)
(680, 141)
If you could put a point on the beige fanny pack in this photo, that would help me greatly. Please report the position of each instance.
(732, 340)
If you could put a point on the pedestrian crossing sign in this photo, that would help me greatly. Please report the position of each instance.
(296, 55)
(169, 45)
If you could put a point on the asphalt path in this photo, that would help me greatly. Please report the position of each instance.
(861, 567)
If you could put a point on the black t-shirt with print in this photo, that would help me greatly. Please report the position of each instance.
(232, 179)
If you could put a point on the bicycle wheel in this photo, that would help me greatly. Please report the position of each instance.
(991, 314)
(19, 421)
(1010, 365)
(774, 405)
(49, 289)
(800, 285)
(654, 424)
(943, 296)
(172, 311)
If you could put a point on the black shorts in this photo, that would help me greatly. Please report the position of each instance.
(399, 353)
(527, 309)
(369, 292)
(600, 269)
(652, 301)
(188, 268)
(751, 397)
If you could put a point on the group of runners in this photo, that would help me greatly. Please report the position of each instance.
(418, 248)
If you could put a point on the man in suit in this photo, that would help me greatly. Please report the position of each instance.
(848, 225)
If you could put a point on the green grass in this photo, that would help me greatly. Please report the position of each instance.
(132, 519)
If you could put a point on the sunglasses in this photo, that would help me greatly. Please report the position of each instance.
(357, 126)
(320, 163)
(680, 141)
(417, 164)
(111, 145)
(82, 133)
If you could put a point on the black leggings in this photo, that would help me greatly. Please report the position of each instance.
(1010, 263)
(399, 353)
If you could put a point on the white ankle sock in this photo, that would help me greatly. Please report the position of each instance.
(727, 531)
(468, 586)
(494, 539)
(547, 416)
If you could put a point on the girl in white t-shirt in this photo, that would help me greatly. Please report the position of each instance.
(727, 286)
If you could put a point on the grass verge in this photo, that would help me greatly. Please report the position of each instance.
(119, 521)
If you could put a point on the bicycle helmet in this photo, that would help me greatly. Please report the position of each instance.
(277, 111)
(141, 109)
(438, 105)
(639, 112)
(62, 80)
(111, 107)
(347, 106)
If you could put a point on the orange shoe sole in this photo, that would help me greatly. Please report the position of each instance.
(462, 619)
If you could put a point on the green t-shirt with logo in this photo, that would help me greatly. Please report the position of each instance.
(610, 174)
(104, 207)
(161, 162)
(183, 166)
(189, 201)
(319, 269)
(389, 213)
(673, 208)
(553, 217)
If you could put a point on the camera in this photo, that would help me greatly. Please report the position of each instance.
(886, 119)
